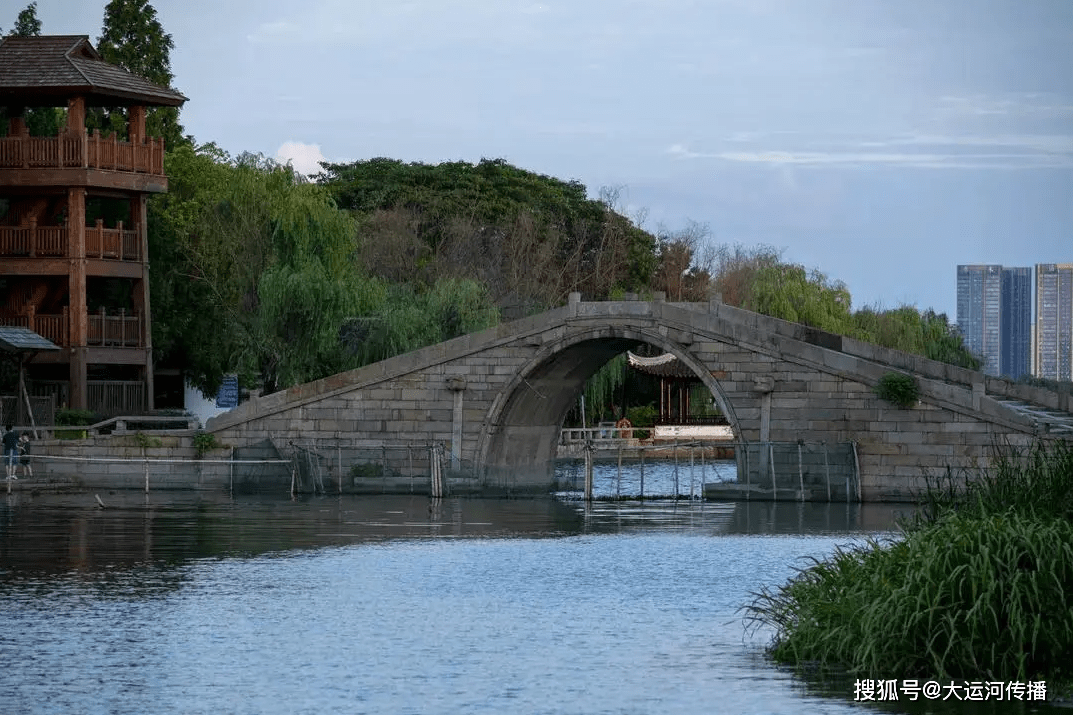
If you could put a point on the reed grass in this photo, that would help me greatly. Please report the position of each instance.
(979, 588)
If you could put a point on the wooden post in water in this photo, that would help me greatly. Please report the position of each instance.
(588, 471)
(676, 468)
(703, 474)
(231, 471)
(618, 479)
(146, 465)
(692, 478)
(771, 462)
(642, 473)
(800, 473)
(827, 470)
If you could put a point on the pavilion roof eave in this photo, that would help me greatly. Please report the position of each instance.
(38, 71)
(665, 365)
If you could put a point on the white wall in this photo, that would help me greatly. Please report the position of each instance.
(198, 404)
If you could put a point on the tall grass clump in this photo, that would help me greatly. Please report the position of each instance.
(980, 586)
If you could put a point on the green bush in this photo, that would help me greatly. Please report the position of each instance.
(73, 417)
(1035, 482)
(898, 389)
(205, 442)
(978, 588)
(642, 415)
(366, 470)
(968, 597)
(145, 440)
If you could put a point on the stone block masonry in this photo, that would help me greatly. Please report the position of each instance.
(495, 401)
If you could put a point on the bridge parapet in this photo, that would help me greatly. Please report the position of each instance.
(521, 378)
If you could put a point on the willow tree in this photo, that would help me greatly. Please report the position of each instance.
(251, 271)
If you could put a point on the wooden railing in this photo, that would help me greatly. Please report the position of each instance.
(118, 242)
(115, 397)
(33, 241)
(51, 327)
(121, 330)
(86, 151)
(51, 241)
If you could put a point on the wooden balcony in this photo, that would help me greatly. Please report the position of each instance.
(51, 327)
(85, 152)
(117, 243)
(122, 331)
(51, 241)
(33, 241)
(112, 331)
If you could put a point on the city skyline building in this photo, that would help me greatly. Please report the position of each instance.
(1015, 323)
(1053, 340)
(979, 295)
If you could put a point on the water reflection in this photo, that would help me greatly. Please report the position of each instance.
(200, 603)
(57, 533)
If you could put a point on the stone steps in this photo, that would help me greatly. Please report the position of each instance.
(1050, 421)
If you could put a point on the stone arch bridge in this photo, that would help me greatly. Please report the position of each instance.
(497, 399)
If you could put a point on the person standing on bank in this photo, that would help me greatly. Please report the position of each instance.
(11, 451)
(24, 455)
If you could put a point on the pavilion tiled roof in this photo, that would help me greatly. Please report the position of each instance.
(665, 365)
(47, 69)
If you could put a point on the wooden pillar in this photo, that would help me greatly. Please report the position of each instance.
(139, 217)
(136, 124)
(76, 116)
(16, 124)
(76, 282)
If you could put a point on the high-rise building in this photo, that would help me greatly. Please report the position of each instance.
(1015, 329)
(979, 294)
(995, 317)
(1053, 355)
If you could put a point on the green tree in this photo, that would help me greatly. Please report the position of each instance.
(789, 292)
(134, 39)
(255, 273)
(40, 121)
(531, 239)
(27, 24)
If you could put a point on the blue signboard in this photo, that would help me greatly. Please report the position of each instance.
(227, 397)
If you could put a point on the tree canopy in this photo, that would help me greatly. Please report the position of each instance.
(27, 24)
(257, 274)
(530, 238)
(133, 38)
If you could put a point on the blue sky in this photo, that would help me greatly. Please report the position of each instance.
(880, 142)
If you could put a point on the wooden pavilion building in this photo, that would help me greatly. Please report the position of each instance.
(676, 382)
(74, 264)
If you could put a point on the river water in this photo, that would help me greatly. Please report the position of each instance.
(204, 603)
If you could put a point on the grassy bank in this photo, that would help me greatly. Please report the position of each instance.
(980, 587)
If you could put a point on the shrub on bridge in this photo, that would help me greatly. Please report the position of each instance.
(898, 389)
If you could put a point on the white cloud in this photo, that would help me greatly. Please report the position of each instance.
(272, 31)
(1007, 151)
(303, 157)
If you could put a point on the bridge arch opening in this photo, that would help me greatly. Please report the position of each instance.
(519, 441)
